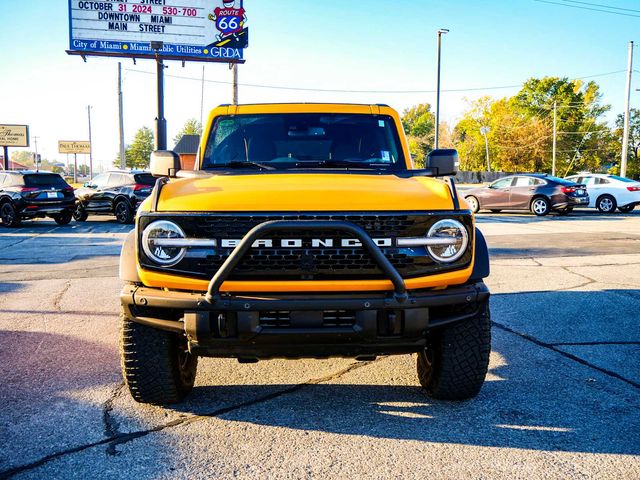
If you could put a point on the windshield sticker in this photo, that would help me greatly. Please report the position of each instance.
(381, 123)
(385, 155)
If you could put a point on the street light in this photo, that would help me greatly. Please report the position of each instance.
(441, 32)
(483, 132)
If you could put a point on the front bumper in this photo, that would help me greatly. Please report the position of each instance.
(234, 326)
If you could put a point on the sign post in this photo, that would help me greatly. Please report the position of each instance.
(13, 136)
(184, 30)
(75, 147)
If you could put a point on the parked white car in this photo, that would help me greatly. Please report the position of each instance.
(608, 192)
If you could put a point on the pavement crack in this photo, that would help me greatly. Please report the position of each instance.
(570, 356)
(110, 423)
(116, 439)
(58, 298)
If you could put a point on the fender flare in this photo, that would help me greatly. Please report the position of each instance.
(128, 260)
(481, 268)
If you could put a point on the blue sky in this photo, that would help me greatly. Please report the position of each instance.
(329, 44)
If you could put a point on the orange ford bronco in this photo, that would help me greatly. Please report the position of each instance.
(304, 232)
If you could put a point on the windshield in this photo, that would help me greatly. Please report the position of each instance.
(309, 140)
(145, 179)
(44, 180)
(561, 181)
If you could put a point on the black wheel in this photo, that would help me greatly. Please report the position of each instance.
(80, 214)
(156, 366)
(495, 211)
(124, 213)
(627, 208)
(474, 205)
(606, 204)
(455, 362)
(64, 218)
(9, 215)
(540, 206)
(565, 211)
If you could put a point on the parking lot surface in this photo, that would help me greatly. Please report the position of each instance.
(562, 398)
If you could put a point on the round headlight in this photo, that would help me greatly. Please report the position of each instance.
(160, 251)
(454, 248)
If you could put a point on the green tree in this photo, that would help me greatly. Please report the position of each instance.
(583, 141)
(516, 143)
(23, 157)
(419, 125)
(138, 153)
(191, 127)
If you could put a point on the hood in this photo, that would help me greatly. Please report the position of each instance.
(304, 192)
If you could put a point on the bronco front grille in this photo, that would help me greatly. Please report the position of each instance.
(306, 263)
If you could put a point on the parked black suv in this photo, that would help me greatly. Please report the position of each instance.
(26, 195)
(114, 193)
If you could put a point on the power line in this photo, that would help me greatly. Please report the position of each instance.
(587, 8)
(602, 5)
(332, 90)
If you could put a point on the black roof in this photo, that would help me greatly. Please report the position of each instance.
(188, 144)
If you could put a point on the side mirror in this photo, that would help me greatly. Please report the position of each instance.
(445, 160)
(164, 163)
(86, 184)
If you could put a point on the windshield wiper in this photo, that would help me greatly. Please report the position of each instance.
(336, 163)
(241, 164)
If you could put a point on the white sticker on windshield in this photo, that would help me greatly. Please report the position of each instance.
(381, 123)
(385, 155)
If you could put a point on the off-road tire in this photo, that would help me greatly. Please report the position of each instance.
(156, 367)
(540, 206)
(455, 362)
(627, 208)
(474, 204)
(9, 216)
(123, 212)
(80, 214)
(64, 218)
(606, 204)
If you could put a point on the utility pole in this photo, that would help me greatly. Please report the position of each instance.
(123, 161)
(555, 132)
(35, 141)
(484, 131)
(440, 33)
(234, 70)
(625, 134)
(75, 168)
(90, 145)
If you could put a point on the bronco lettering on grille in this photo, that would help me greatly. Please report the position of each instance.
(309, 243)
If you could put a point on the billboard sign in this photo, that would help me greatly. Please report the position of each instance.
(200, 30)
(70, 146)
(14, 135)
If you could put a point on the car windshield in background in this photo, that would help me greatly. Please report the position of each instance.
(622, 179)
(145, 179)
(302, 141)
(561, 181)
(44, 180)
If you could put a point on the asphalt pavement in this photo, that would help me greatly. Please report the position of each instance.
(562, 399)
